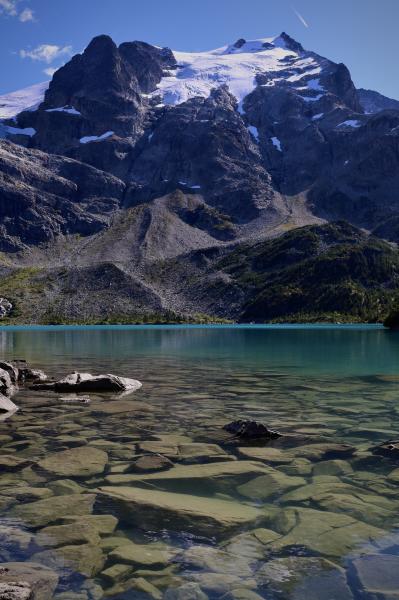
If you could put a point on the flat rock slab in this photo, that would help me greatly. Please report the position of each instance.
(302, 578)
(65, 535)
(378, 574)
(328, 533)
(43, 512)
(42, 580)
(240, 468)
(145, 555)
(154, 509)
(114, 407)
(268, 455)
(76, 462)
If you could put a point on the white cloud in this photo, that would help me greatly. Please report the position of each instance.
(49, 71)
(301, 18)
(26, 15)
(46, 52)
(8, 7)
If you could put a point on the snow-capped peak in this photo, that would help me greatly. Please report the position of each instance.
(235, 65)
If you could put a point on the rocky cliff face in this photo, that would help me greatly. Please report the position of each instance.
(136, 155)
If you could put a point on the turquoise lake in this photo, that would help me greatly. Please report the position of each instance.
(312, 515)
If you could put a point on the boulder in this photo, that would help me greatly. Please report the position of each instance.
(76, 462)
(11, 370)
(43, 512)
(7, 388)
(6, 405)
(42, 580)
(85, 382)
(153, 509)
(251, 430)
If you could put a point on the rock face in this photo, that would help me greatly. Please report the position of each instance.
(155, 156)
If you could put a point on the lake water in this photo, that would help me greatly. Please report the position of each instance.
(310, 516)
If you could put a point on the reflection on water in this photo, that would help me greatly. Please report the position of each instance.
(311, 515)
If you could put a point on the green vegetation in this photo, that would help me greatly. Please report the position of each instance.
(331, 272)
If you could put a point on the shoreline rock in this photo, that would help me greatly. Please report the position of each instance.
(86, 382)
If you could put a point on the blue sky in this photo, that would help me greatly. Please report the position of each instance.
(39, 35)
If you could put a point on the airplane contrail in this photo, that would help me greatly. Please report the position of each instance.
(301, 18)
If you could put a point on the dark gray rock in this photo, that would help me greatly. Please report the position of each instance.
(251, 430)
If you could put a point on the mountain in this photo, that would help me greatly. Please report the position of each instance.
(373, 102)
(137, 168)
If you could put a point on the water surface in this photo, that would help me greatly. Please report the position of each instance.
(320, 386)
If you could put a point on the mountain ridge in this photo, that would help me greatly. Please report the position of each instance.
(139, 156)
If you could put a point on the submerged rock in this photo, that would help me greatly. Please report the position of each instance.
(388, 449)
(85, 559)
(155, 510)
(302, 578)
(148, 555)
(187, 591)
(251, 430)
(42, 580)
(76, 462)
(378, 574)
(43, 512)
(85, 382)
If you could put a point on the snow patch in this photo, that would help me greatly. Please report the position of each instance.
(350, 123)
(314, 84)
(65, 109)
(27, 99)
(151, 135)
(314, 99)
(17, 131)
(96, 138)
(317, 117)
(276, 143)
(254, 132)
(185, 184)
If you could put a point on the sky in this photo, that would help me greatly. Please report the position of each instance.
(38, 36)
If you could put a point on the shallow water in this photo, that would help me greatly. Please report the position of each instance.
(317, 385)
